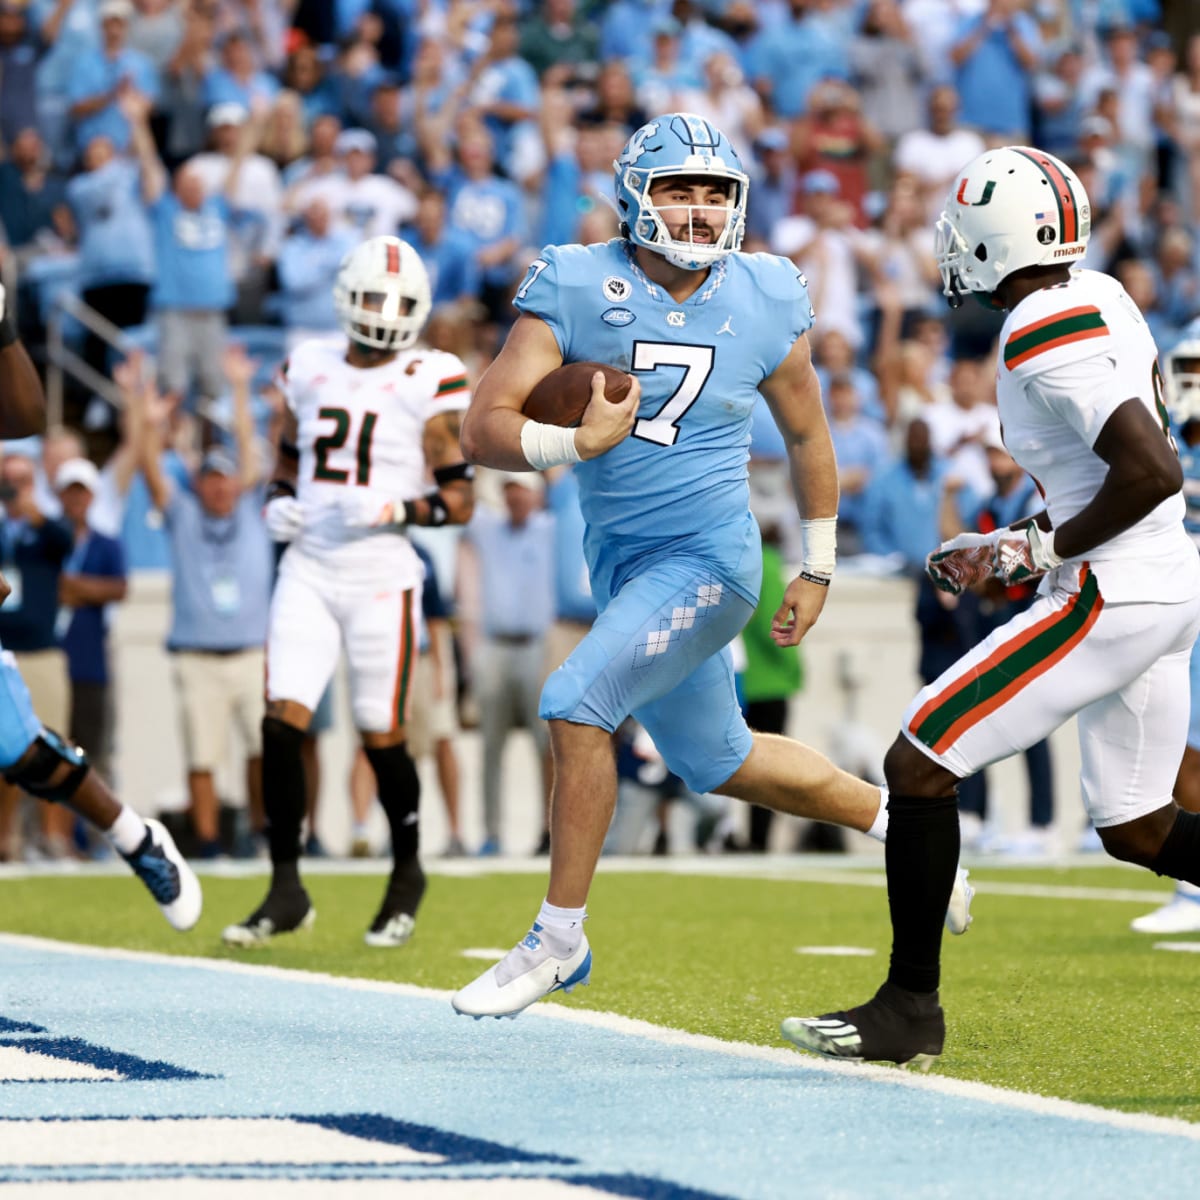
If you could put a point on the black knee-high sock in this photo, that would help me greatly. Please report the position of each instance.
(922, 857)
(400, 794)
(1180, 854)
(283, 789)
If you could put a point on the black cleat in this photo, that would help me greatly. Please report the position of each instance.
(285, 910)
(397, 915)
(897, 1026)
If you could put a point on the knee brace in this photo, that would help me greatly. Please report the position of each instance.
(399, 788)
(50, 752)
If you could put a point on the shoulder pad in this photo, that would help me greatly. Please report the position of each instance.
(778, 277)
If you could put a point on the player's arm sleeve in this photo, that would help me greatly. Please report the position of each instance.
(541, 295)
(1084, 394)
(791, 309)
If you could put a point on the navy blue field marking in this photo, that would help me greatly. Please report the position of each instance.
(638, 1187)
(456, 1148)
(10, 1026)
(76, 1050)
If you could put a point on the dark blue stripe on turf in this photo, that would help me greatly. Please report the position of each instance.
(456, 1148)
(638, 1187)
(128, 1065)
(10, 1026)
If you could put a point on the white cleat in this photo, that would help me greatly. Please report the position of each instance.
(391, 932)
(1181, 915)
(958, 912)
(525, 974)
(173, 884)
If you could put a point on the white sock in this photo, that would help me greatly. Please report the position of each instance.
(127, 832)
(878, 829)
(562, 927)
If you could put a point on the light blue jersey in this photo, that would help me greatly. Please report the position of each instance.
(674, 555)
(679, 481)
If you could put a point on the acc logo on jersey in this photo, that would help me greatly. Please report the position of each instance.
(617, 289)
(618, 317)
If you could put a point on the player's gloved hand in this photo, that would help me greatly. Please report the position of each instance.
(284, 518)
(1025, 553)
(363, 509)
(962, 562)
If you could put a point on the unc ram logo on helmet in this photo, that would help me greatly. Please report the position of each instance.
(678, 144)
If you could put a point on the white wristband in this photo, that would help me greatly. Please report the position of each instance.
(820, 545)
(548, 445)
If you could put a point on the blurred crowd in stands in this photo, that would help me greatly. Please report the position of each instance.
(194, 171)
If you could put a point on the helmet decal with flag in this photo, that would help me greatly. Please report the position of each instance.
(1008, 209)
(1182, 376)
(382, 294)
(671, 145)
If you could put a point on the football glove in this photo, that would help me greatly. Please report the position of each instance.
(1026, 553)
(362, 509)
(962, 562)
(284, 518)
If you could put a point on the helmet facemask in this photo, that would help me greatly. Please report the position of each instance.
(651, 226)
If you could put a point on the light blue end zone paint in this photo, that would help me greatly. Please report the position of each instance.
(618, 1105)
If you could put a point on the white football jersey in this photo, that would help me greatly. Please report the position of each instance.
(359, 433)
(1072, 355)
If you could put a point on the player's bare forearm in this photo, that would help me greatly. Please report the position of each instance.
(454, 500)
(287, 454)
(22, 400)
(457, 505)
(793, 394)
(1143, 471)
(491, 428)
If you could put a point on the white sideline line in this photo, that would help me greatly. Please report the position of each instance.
(629, 1026)
(854, 871)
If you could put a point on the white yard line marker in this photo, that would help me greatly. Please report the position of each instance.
(837, 951)
(1182, 947)
(628, 1026)
(485, 953)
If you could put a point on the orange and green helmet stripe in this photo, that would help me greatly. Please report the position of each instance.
(1064, 195)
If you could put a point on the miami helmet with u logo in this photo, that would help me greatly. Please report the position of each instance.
(1008, 209)
(679, 144)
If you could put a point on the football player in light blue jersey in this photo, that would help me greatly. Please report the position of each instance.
(1181, 371)
(672, 549)
(36, 758)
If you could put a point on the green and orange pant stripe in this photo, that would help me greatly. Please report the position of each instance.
(963, 700)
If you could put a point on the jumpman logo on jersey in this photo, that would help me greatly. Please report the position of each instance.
(727, 327)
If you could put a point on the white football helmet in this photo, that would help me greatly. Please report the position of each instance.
(1182, 376)
(382, 294)
(1010, 208)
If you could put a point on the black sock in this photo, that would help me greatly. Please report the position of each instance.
(283, 788)
(1180, 854)
(400, 794)
(922, 856)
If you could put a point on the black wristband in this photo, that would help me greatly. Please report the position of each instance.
(8, 331)
(289, 449)
(809, 577)
(277, 488)
(439, 513)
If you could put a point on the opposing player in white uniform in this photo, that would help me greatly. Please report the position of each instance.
(369, 416)
(1109, 637)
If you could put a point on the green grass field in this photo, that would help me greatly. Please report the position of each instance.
(1046, 995)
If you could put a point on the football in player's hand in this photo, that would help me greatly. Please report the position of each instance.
(563, 395)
